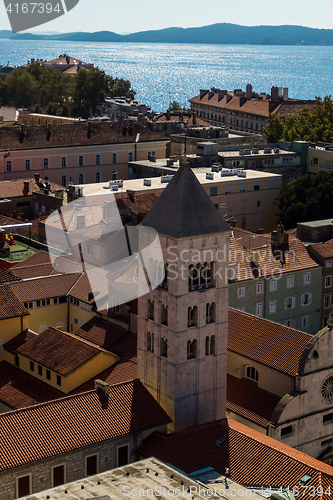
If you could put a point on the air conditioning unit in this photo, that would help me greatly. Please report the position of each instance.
(210, 176)
(147, 182)
(166, 178)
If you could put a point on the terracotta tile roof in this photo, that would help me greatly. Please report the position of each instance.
(245, 399)
(252, 106)
(73, 135)
(138, 204)
(323, 250)
(36, 271)
(292, 107)
(126, 347)
(82, 289)
(162, 117)
(120, 372)
(101, 333)
(10, 304)
(58, 350)
(19, 340)
(7, 276)
(45, 287)
(295, 255)
(40, 257)
(252, 458)
(266, 342)
(19, 389)
(15, 187)
(73, 422)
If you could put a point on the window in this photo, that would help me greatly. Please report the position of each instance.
(48, 375)
(114, 157)
(227, 190)
(243, 207)
(130, 156)
(40, 370)
(32, 366)
(59, 380)
(81, 179)
(328, 281)
(192, 319)
(242, 188)
(241, 309)
(326, 442)
(327, 301)
(122, 455)
(329, 263)
(98, 177)
(273, 285)
(241, 291)
(91, 465)
(327, 418)
(27, 164)
(64, 180)
(307, 278)
(251, 373)
(256, 187)
(58, 475)
(191, 349)
(270, 184)
(98, 160)
(81, 161)
(164, 315)
(272, 306)
(290, 323)
(260, 287)
(75, 301)
(23, 486)
(286, 430)
(9, 165)
(213, 191)
(259, 309)
(289, 303)
(29, 305)
(64, 161)
(75, 321)
(306, 299)
(45, 162)
(258, 205)
(290, 281)
(43, 303)
(305, 321)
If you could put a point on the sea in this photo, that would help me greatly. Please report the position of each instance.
(162, 73)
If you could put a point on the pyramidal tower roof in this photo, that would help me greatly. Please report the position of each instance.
(184, 209)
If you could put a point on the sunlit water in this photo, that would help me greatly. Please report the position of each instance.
(161, 73)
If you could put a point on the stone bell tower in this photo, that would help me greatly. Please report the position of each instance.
(182, 324)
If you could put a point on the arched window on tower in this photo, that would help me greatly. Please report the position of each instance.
(150, 342)
(165, 279)
(210, 313)
(164, 315)
(150, 311)
(164, 347)
(191, 349)
(192, 316)
(212, 344)
(252, 373)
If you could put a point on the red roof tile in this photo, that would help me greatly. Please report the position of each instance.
(10, 304)
(19, 340)
(45, 287)
(36, 271)
(252, 458)
(58, 350)
(101, 333)
(250, 402)
(40, 257)
(266, 342)
(19, 389)
(77, 421)
(137, 204)
(323, 250)
(16, 187)
(82, 289)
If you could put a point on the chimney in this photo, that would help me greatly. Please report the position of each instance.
(168, 114)
(48, 186)
(274, 94)
(203, 93)
(194, 118)
(285, 94)
(81, 221)
(26, 186)
(36, 177)
(228, 97)
(248, 91)
(102, 387)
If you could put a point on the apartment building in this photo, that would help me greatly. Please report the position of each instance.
(323, 253)
(320, 157)
(76, 153)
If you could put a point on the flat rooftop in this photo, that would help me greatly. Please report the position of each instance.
(157, 184)
(150, 476)
(317, 223)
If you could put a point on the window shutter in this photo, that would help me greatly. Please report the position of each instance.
(293, 302)
(310, 298)
(286, 303)
(302, 300)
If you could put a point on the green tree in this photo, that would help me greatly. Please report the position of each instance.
(305, 199)
(21, 88)
(274, 130)
(175, 106)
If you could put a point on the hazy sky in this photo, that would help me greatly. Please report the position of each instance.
(135, 15)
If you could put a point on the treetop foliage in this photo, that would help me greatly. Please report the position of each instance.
(310, 124)
(307, 198)
(46, 90)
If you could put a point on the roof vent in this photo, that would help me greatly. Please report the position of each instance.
(147, 182)
(305, 479)
(210, 176)
(103, 387)
(119, 184)
(220, 441)
(241, 173)
(114, 187)
(215, 168)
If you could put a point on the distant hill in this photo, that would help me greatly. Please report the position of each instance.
(221, 33)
